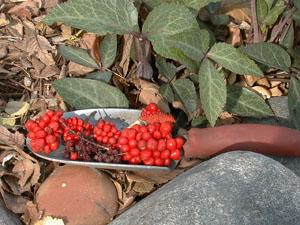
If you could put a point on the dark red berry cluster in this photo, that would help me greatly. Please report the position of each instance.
(150, 144)
(45, 132)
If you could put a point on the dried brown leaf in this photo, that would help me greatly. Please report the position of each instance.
(128, 201)
(15, 28)
(49, 71)
(275, 83)
(25, 9)
(275, 91)
(17, 204)
(11, 139)
(126, 53)
(37, 64)
(32, 213)
(10, 183)
(3, 20)
(24, 169)
(39, 46)
(76, 69)
(263, 82)
(250, 79)
(150, 93)
(3, 51)
(262, 91)
(143, 187)
(235, 37)
(238, 9)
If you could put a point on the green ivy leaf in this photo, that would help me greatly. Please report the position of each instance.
(194, 43)
(219, 19)
(273, 15)
(296, 16)
(261, 10)
(244, 102)
(87, 93)
(100, 17)
(212, 91)
(186, 92)
(296, 3)
(77, 55)
(108, 50)
(104, 76)
(294, 101)
(167, 20)
(234, 60)
(166, 69)
(269, 54)
(196, 4)
(167, 92)
(199, 122)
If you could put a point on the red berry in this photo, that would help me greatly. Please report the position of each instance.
(59, 113)
(167, 162)
(151, 128)
(54, 118)
(42, 124)
(143, 129)
(142, 144)
(47, 149)
(179, 142)
(125, 148)
(156, 154)
(171, 144)
(125, 132)
(80, 122)
(175, 154)
(50, 113)
(146, 136)
(135, 160)
(165, 128)
(156, 134)
(132, 134)
(31, 135)
(151, 144)
(46, 118)
(105, 139)
(127, 157)
(138, 137)
(30, 124)
(123, 140)
(100, 124)
(50, 138)
(161, 144)
(165, 154)
(132, 143)
(107, 128)
(36, 129)
(40, 144)
(54, 125)
(112, 140)
(136, 127)
(145, 154)
(74, 156)
(152, 107)
(40, 134)
(149, 162)
(158, 162)
(134, 152)
(54, 146)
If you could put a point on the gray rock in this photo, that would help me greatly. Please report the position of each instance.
(7, 217)
(282, 117)
(233, 188)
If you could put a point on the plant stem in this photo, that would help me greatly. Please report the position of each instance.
(257, 35)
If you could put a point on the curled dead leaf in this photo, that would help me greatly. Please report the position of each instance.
(275, 91)
(126, 53)
(250, 80)
(3, 20)
(143, 187)
(262, 91)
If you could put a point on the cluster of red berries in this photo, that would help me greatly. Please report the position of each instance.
(150, 144)
(152, 114)
(45, 132)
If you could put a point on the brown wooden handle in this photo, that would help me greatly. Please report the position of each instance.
(264, 139)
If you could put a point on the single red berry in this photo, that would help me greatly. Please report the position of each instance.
(167, 162)
(152, 107)
(125, 148)
(132, 143)
(127, 157)
(54, 146)
(151, 128)
(165, 154)
(156, 154)
(143, 129)
(134, 152)
(31, 135)
(74, 121)
(179, 142)
(112, 140)
(100, 124)
(40, 144)
(161, 144)
(107, 128)
(142, 144)
(40, 134)
(59, 113)
(105, 139)
(123, 140)
(156, 134)
(114, 130)
(54, 118)
(138, 137)
(74, 156)
(50, 138)
(47, 149)
(54, 125)
(158, 162)
(146, 154)
(132, 134)
(151, 144)
(136, 127)
(171, 144)
(46, 118)
(30, 124)
(42, 124)
(146, 136)
(149, 162)
(175, 154)
(36, 129)
(135, 160)
(50, 113)
(125, 132)
(165, 128)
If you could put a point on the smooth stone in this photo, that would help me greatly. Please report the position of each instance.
(232, 188)
(7, 217)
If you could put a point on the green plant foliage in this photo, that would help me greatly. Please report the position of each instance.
(294, 101)
(273, 15)
(108, 50)
(193, 43)
(166, 91)
(185, 90)
(212, 91)
(87, 93)
(196, 4)
(244, 102)
(269, 54)
(288, 41)
(167, 20)
(77, 55)
(100, 17)
(296, 3)
(168, 70)
(219, 19)
(104, 76)
(261, 10)
(296, 16)
(199, 122)
(234, 60)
